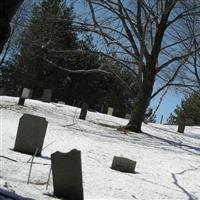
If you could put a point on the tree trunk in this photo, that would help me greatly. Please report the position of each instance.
(7, 11)
(141, 104)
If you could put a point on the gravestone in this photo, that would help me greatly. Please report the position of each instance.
(27, 93)
(83, 112)
(123, 164)
(30, 134)
(21, 101)
(67, 175)
(181, 127)
(127, 116)
(2, 91)
(47, 95)
(110, 111)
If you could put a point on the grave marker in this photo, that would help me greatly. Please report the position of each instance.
(30, 134)
(110, 111)
(47, 95)
(27, 93)
(123, 164)
(83, 112)
(67, 175)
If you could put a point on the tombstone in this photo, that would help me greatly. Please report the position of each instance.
(47, 95)
(110, 111)
(2, 91)
(27, 93)
(181, 127)
(21, 101)
(30, 134)
(67, 175)
(83, 112)
(127, 116)
(61, 102)
(123, 164)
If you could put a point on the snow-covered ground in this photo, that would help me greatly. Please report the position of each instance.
(168, 163)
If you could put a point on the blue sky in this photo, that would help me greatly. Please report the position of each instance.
(171, 99)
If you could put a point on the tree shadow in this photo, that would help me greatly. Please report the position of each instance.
(189, 195)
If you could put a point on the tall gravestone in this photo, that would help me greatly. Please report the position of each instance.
(123, 164)
(67, 175)
(110, 111)
(83, 112)
(47, 95)
(30, 135)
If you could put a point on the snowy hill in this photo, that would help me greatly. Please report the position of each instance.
(168, 163)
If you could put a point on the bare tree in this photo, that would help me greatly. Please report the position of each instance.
(144, 37)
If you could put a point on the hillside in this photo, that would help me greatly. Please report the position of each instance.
(168, 163)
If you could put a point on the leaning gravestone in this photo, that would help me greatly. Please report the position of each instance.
(123, 164)
(110, 111)
(83, 112)
(67, 175)
(47, 95)
(30, 135)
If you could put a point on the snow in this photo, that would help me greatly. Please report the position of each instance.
(168, 163)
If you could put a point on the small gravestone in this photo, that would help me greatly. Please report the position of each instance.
(123, 164)
(181, 127)
(110, 111)
(47, 95)
(30, 135)
(21, 101)
(27, 93)
(83, 112)
(67, 175)
(127, 116)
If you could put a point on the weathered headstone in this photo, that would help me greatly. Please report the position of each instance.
(181, 127)
(47, 95)
(67, 175)
(123, 164)
(127, 116)
(27, 93)
(110, 111)
(83, 112)
(21, 101)
(30, 135)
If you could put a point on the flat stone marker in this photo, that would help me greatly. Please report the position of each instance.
(27, 93)
(83, 112)
(123, 164)
(110, 111)
(67, 175)
(30, 134)
(47, 95)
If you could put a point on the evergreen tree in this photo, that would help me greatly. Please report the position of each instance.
(187, 112)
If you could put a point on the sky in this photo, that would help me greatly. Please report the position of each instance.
(169, 103)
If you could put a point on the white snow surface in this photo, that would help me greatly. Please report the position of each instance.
(168, 163)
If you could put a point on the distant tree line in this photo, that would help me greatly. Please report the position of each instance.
(47, 60)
